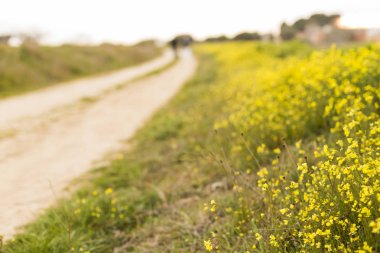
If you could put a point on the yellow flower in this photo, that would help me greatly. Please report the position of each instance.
(263, 172)
(258, 236)
(375, 225)
(325, 94)
(108, 191)
(365, 249)
(261, 149)
(208, 245)
(273, 241)
(213, 206)
(275, 161)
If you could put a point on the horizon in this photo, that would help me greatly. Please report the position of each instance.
(114, 21)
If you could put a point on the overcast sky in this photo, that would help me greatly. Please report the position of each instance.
(132, 20)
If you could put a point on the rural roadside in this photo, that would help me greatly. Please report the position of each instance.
(71, 126)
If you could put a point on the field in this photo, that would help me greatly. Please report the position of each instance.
(269, 148)
(30, 66)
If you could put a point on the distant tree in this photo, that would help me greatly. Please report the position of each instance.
(4, 39)
(322, 19)
(217, 39)
(300, 24)
(184, 37)
(287, 32)
(149, 42)
(247, 36)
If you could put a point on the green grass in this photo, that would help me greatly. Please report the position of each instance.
(158, 187)
(31, 67)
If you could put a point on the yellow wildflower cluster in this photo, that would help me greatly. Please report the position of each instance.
(310, 127)
(100, 206)
(208, 245)
(211, 207)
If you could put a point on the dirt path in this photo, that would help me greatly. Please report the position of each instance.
(50, 150)
(41, 101)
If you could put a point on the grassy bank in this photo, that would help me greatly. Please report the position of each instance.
(269, 148)
(30, 67)
(302, 153)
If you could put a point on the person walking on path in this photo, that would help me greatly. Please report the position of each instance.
(174, 46)
(186, 41)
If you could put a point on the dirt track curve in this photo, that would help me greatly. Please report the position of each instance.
(53, 136)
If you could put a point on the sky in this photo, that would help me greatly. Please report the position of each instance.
(128, 21)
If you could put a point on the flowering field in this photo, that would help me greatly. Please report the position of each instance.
(302, 153)
(269, 148)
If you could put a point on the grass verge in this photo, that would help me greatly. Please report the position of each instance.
(31, 67)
